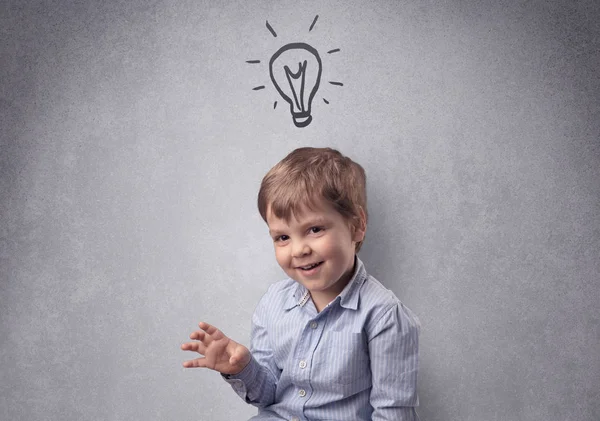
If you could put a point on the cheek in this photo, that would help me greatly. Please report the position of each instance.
(339, 249)
(329, 249)
(280, 255)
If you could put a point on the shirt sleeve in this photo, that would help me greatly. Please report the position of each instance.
(393, 351)
(257, 382)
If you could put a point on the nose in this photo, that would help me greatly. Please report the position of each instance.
(300, 248)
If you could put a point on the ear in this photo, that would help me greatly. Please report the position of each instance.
(359, 227)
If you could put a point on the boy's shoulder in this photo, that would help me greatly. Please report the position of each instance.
(283, 287)
(374, 292)
(280, 295)
(375, 296)
(375, 301)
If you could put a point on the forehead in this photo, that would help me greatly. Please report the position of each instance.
(319, 209)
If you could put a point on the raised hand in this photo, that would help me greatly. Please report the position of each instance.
(220, 353)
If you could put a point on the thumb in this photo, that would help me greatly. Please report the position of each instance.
(237, 356)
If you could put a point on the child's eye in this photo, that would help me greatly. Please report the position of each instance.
(316, 230)
(281, 238)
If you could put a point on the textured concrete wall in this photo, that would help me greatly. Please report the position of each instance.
(131, 149)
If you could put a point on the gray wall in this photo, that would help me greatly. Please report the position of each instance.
(131, 150)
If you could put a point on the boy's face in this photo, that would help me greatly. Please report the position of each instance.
(316, 248)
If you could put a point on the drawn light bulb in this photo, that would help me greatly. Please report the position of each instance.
(295, 71)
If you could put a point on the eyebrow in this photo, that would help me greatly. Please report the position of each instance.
(309, 223)
(316, 221)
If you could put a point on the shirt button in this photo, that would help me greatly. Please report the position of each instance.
(302, 364)
(295, 419)
(313, 325)
(302, 393)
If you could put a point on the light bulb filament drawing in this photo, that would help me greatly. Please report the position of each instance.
(290, 77)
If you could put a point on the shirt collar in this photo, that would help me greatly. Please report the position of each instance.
(348, 297)
(294, 297)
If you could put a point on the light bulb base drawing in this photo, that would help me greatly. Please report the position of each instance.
(301, 120)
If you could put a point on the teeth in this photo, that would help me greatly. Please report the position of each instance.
(309, 266)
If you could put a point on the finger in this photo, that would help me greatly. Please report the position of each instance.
(201, 336)
(198, 335)
(210, 329)
(198, 347)
(196, 363)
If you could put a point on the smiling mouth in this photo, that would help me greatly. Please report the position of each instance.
(309, 267)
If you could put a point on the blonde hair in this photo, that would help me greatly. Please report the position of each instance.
(309, 174)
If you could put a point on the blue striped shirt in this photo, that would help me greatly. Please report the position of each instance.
(355, 360)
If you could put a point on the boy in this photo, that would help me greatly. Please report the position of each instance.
(330, 342)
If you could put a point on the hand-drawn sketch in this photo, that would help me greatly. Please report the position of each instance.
(295, 71)
(297, 87)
